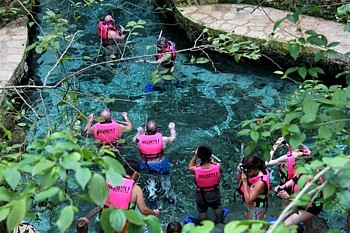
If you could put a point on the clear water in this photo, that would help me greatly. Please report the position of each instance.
(206, 106)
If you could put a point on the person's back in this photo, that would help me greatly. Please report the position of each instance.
(207, 177)
(129, 195)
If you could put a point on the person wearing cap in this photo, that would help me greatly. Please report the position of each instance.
(108, 131)
(111, 37)
(151, 145)
(166, 53)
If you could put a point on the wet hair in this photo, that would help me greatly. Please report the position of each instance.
(204, 153)
(131, 166)
(174, 227)
(162, 43)
(251, 162)
(151, 128)
(106, 114)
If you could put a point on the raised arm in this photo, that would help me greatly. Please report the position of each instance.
(123, 128)
(192, 165)
(136, 137)
(167, 140)
(89, 129)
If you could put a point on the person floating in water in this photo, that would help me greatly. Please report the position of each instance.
(166, 53)
(108, 131)
(254, 186)
(151, 145)
(207, 177)
(111, 37)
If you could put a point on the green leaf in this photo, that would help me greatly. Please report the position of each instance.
(46, 193)
(311, 32)
(153, 223)
(296, 139)
(98, 190)
(114, 178)
(320, 55)
(324, 131)
(310, 106)
(202, 60)
(4, 213)
(134, 217)
(336, 162)
(294, 50)
(315, 40)
(16, 214)
(302, 72)
(328, 191)
(82, 175)
(243, 132)
(12, 176)
(5, 195)
(277, 24)
(59, 135)
(113, 164)
(293, 129)
(104, 220)
(254, 136)
(66, 218)
(43, 165)
(344, 197)
(117, 219)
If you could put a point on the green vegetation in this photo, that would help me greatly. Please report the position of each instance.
(38, 176)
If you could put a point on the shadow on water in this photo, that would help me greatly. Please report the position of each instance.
(207, 107)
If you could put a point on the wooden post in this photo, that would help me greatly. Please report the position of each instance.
(83, 222)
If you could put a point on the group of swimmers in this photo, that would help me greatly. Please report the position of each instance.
(252, 175)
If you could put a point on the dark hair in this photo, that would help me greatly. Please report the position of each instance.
(252, 162)
(151, 128)
(174, 227)
(204, 153)
(131, 166)
(162, 43)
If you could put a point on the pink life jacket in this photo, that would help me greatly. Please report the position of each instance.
(106, 132)
(151, 146)
(207, 179)
(261, 200)
(169, 48)
(120, 196)
(287, 172)
(102, 30)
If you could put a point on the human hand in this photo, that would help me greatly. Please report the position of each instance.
(122, 29)
(156, 212)
(91, 117)
(239, 167)
(171, 125)
(125, 115)
(139, 129)
(283, 194)
(280, 141)
(243, 177)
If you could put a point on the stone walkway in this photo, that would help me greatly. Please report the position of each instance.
(258, 22)
(13, 40)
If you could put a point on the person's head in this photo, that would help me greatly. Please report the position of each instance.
(252, 164)
(162, 43)
(174, 227)
(204, 153)
(106, 114)
(131, 167)
(109, 19)
(151, 128)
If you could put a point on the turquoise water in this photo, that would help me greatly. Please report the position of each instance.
(206, 106)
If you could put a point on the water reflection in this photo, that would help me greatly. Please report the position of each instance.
(207, 107)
